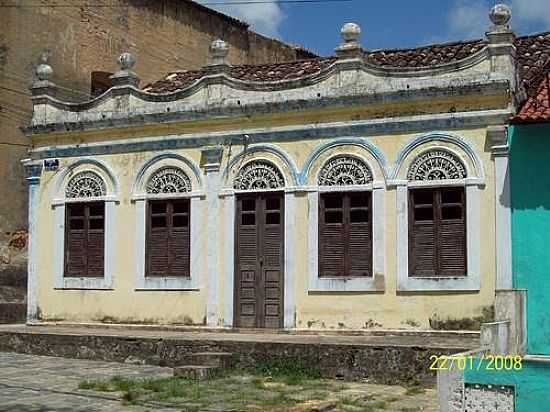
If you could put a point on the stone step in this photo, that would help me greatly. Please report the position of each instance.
(224, 360)
(197, 372)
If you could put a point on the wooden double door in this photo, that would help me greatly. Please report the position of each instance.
(259, 243)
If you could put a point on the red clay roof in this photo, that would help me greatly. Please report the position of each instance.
(533, 54)
(536, 109)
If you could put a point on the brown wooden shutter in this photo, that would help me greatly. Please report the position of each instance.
(345, 234)
(437, 232)
(359, 234)
(332, 236)
(168, 238)
(452, 232)
(422, 233)
(84, 239)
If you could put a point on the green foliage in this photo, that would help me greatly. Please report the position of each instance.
(288, 371)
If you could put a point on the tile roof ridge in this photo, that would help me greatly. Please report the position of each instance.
(527, 36)
(446, 44)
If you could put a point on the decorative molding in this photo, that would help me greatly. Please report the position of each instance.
(86, 184)
(259, 175)
(213, 185)
(267, 148)
(289, 262)
(344, 170)
(342, 141)
(436, 164)
(229, 211)
(211, 158)
(497, 139)
(168, 180)
(138, 187)
(456, 140)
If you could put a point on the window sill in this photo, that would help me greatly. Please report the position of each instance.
(359, 284)
(85, 284)
(167, 283)
(441, 283)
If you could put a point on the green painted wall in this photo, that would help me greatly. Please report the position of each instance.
(532, 384)
(530, 191)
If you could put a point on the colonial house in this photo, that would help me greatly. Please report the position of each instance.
(365, 190)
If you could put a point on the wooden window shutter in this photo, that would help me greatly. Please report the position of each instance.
(345, 234)
(168, 238)
(84, 239)
(437, 232)
(332, 236)
(452, 232)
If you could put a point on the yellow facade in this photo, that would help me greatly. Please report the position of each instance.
(387, 309)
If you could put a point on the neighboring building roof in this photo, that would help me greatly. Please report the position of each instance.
(533, 53)
(536, 108)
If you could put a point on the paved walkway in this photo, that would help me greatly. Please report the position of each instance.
(41, 383)
(30, 383)
(432, 339)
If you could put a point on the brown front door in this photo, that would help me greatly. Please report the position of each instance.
(259, 261)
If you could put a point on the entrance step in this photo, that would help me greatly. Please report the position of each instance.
(224, 360)
(199, 373)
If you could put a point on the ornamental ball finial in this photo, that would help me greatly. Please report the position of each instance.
(44, 71)
(219, 48)
(500, 14)
(350, 32)
(126, 61)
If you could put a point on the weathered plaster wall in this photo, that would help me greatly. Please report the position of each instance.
(165, 35)
(336, 310)
(529, 159)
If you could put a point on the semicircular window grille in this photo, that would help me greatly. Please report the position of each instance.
(168, 180)
(84, 185)
(345, 171)
(258, 175)
(437, 165)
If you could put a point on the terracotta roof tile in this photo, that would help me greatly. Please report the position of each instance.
(425, 56)
(537, 108)
(533, 54)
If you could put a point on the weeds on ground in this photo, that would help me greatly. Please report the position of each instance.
(290, 372)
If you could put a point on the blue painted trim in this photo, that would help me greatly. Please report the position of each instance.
(88, 161)
(352, 141)
(440, 137)
(157, 158)
(281, 154)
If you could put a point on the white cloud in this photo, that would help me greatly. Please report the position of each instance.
(531, 10)
(468, 19)
(265, 18)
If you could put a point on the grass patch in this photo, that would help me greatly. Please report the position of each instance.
(414, 390)
(290, 372)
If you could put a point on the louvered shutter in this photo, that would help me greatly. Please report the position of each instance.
(179, 239)
(452, 232)
(168, 238)
(359, 234)
(96, 239)
(84, 239)
(332, 236)
(422, 233)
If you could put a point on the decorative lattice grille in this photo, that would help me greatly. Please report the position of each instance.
(259, 175)
(85, 185)
(437, 165)
(168, 180)
(345, 171)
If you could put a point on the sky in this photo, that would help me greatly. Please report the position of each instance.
(384, 23)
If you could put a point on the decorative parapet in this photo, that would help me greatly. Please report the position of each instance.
(218, 58)
(350, 48)
(125, 76)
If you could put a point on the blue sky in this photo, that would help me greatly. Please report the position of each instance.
(385, 24)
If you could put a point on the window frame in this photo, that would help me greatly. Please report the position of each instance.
(372, 284)
(86, 218)
(346, 225)
(169, 216)
(437, 222)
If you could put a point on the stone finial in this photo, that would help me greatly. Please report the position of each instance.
(126, 61)
(351, 47)
(218, 53)
(500, 14)
(125, 76)
(44, 71)
(350, 32)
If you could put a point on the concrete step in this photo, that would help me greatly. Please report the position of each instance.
(197, 372)
(224, 360)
